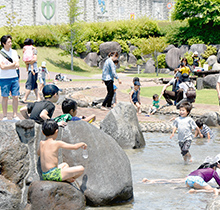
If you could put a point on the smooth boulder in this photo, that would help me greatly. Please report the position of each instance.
(211, 119)
(107, 177)
(55, 195)
(211, 60)
(173, 58)
(107, 47)
(200, 48)
(121, 123)
(150, 66)
(92, 59)
(210, 81)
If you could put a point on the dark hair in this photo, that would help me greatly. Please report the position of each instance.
(155, 96)
(136, 79)
(116, 62)
(187, 106)
(4, 39)
(199, 123)
(49, 127)
(28, 41)
(208, 165)
(184, 59)
(68, 104)
(113, 53)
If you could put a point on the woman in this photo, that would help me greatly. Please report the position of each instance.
(108, 75)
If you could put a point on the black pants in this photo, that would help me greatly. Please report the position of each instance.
(171, 95)
(110, 93)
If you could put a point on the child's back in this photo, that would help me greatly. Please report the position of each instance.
(28, 53)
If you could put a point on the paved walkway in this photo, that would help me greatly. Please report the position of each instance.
(98, 91)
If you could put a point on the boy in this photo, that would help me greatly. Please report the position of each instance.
(185, 124)
(42, 110)
(135, 96)
(204, 129)
(42, 74)
(155, 106)
(114, 99)
(48, 152)
(69, 108)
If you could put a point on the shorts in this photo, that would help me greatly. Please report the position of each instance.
(31, 83)
(42, 81)
(184, 146)
(54, 174)
(190, 180)
(9, 85)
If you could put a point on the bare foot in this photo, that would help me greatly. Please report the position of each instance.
(216, 191)
(145, 180)
(70, 180)
(192, 191)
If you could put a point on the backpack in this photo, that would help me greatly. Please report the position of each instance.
(191, 92)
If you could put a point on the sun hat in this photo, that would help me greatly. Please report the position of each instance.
(137, 83)
(43, 64)
(49, 90)
(196, 53)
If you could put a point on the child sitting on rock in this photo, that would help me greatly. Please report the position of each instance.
(135, 96)
(204, 129)
(48, 152)
(155, 106)
(69, 108)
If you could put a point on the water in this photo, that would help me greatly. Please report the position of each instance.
(161, 159)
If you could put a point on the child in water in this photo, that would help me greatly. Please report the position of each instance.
(185, 124)
(204, 129)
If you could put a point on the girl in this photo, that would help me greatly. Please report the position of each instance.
(108, 75)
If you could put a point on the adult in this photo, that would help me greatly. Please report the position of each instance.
(31, 83)
(9, 81)
(218, 88)
(176, 94)
(184, 86)
(108, 75)
(184, 66)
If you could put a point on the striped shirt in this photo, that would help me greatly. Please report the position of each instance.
(205, 130)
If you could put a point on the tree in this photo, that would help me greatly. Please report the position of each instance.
(152, 46)
(198, 12)
(73, 13)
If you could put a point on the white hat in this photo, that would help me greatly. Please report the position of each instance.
(196, 53)
(43, 64)
(216, 158)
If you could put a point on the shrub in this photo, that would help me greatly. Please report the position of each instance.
(124, 45)
(194, 40)
(161, 61)
(188, 56)
(210, 50)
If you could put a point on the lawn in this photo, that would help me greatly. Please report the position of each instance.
(204, 96)
(62, 64)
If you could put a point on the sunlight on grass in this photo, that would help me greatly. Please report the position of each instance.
(10, 108)
(62, 64)
(151, 75)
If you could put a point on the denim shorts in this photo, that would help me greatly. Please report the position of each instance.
(42, 81)
(9, 85)
(190, 180)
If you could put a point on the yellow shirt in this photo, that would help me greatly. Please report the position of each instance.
(185, 69)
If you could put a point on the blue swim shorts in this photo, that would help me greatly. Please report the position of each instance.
(9, 85)
(42, 80)
(190, 180)
(54, 174)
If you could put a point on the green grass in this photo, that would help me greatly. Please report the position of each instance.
(10, 108)
(61, 64)
(151, 75)
(204, 96)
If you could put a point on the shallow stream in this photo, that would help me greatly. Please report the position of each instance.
(161, 159)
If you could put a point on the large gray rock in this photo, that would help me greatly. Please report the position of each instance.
(150, 66)
(200, 48)
(55, 195)
(173, 58)
(216, 66)
(211, 60)
(10, 195)
(183, 50)
(169, 47)
(123, 59)
(14, 158)
(101, 62)
(107, 177)
(107, 47)
(218, 56)
(199, 83)
(122, 124)
(132, 48)
(88, 50)
(210, 81)
(132, 59)
(92, 59)
(211, 119)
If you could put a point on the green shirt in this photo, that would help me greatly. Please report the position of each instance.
(63, 117)
(156, 103)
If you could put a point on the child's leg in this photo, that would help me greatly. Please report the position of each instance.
(27, 65)
(187, 157)
(71, 173)
(138, 108)
(207, 188)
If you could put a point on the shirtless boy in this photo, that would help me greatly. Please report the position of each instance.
(48, 152)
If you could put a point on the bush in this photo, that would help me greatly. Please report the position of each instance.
(124, 45)
(161, 61)
(188, 56)
(210, 50)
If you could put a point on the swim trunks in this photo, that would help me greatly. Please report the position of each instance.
(54, 174)
(184, 146)
(190, 180)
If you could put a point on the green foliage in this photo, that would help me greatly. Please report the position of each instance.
(194, 40)
(188, 56)
(124, 46)
(210, 50)
(95, 46)
(11, 22)
(161, 61)
(137, 53)
(139, 62)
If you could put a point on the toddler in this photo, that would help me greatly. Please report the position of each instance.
(155, 106)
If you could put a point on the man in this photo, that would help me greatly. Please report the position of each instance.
(175, 94)
(9, 81)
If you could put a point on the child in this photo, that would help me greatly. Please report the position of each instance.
(69, 108)
(42, 110)
(29, 53)
(204, 129)
(155, 106)
(185, 124)
(42, 75)
(114, 99)
(48, 152)
(135, 96)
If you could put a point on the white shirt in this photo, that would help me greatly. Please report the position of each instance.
(10, 73)
(185, 86)
(218, 79)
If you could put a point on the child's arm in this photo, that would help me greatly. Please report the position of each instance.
(196, 133)
(208, 136)
(76, 146)
(87, 119)
(24, 112)
(174, 130)
(199, 132)
(131, 93)
(44, 114)
(139, 99)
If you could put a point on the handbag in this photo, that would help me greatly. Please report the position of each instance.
(191, 92)
(6, 56)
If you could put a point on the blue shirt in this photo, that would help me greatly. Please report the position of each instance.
(109, 70)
